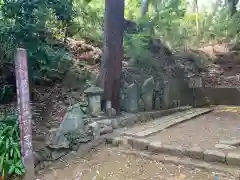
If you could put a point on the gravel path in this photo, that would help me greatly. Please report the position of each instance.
(204, 131)
(109, 164)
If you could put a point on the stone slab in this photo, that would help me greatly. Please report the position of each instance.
(194, 152)
(225, 146)
(155, 146)
(233, 159)
(140, 144)
(214, 156)
(177, 112)
(172, 150)
(235, 142)
(186, 162)
(174, 121)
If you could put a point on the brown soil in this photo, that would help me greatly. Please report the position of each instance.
(204, 131)
(108, 163)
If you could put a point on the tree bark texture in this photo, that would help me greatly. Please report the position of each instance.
(111, 66)
(232, 6)
(144, 7)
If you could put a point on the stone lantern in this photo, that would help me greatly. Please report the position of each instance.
(195, 81)
(94, 94)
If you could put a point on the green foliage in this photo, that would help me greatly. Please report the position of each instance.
(136, 47)
(6, 93)
(89, 20)
(27, 24)
(10, 156)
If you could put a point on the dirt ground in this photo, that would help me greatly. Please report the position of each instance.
(204, 131)
(107, 163)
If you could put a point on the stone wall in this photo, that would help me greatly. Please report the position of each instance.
(218, 96)
(177, 93)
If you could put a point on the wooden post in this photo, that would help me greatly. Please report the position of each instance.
(21, 69)
(111, 67)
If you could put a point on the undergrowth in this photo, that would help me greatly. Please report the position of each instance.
(10, 151)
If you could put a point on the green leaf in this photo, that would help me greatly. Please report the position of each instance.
(87, 1)
(18, 171)
(11, 152)
(11, 169)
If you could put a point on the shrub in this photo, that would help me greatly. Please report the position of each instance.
(10, 156)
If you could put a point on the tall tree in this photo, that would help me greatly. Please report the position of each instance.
(111, 66)
(232, 6)
(144, 7)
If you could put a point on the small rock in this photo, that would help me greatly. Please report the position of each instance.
(106, 130)
(58, 154)
(105, 122)
(37, 158)
(115, 123)
(132, 119)
(56, 140)
(224, 146)
(123, 121)
(95, 128)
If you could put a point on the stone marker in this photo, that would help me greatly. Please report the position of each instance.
(147, 93)
(166, 92)
(23, 99)
(132, 98)
(72, 120)
(95, 128)
(94, 94)
(141, 106)
(157, 103)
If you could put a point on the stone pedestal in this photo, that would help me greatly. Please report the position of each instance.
(94, 100)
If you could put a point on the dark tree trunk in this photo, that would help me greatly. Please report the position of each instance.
(144, 7)
(232, 6)
(111, 66)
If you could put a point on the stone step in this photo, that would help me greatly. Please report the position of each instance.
(185, 161)
(165, 122)
(153, 123)
(231, 159)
